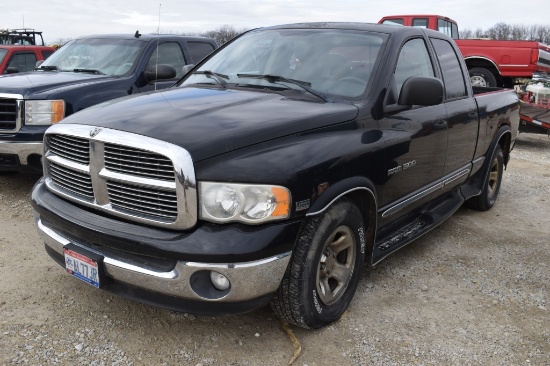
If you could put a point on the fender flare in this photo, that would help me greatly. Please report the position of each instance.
(340, 189)
(503, 130)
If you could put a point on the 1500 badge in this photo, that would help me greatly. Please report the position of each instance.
(399, 168)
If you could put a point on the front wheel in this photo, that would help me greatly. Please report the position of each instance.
(325, 268)
(490, 191)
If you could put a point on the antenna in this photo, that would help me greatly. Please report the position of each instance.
(157, 59)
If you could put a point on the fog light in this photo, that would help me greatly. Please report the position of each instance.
(219, 281)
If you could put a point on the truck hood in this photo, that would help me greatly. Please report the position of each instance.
(209, 122)
(40, 82)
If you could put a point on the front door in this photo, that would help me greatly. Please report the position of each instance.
(417, 138)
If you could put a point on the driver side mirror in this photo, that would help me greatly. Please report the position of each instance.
(418, 90)
(12, 70)
(159, 72)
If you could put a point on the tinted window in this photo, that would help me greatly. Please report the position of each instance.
(396, 21)
(168, 53)
(414, 60)
(452, 72)
(199, 50)
(420, 22)
(23, 61)
(46, 54)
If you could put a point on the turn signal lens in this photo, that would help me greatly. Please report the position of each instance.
(44, 112)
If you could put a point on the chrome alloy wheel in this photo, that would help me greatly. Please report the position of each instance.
(335, 268)
(478, 81)
(494, 175)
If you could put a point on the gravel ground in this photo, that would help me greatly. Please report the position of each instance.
(474, 291)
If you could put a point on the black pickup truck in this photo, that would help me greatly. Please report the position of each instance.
(85, 72)
(274, 170)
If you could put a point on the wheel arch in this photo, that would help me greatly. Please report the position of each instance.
(503, 137)
(480, 61)
(362, 193)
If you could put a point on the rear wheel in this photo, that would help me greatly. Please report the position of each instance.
(480, 76)
(325, 268)
(489, 195)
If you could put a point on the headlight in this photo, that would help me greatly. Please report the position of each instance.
(44, 112)
(248, 203)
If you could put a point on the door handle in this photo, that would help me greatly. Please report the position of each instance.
(440, 125)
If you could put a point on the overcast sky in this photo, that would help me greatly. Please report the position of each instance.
(62, 19)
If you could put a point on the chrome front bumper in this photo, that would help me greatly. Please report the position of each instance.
(21, 149)
(249, 280)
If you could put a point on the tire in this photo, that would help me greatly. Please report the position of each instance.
(312, 294)
(480, 76)
(489, 195)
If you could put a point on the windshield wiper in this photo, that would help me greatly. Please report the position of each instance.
(91, 71)
(49, 68)
(214, 75)
(275, 78)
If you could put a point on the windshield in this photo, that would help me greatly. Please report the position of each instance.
(3, 53)
(338, 63)
(113, 57)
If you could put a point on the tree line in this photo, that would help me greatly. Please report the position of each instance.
(514, 32)
(500, 31)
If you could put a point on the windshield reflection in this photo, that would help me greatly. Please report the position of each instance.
(331, 62)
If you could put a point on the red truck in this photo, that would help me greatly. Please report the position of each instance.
(18, 58)
(20, 49)
(489, 62)
(499, 63)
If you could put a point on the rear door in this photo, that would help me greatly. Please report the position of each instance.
(462, 114)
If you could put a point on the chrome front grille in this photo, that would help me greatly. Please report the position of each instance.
(127, 175)
(69, 147)
(9, 109)
(70, 180)
(151, 202)
(141, 163)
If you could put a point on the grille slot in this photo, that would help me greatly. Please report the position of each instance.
(69, 147)
(71, 180)
(141, 163)
(8, 114)
(143, 200)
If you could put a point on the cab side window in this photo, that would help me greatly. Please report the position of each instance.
(168, 53)
(455, 85)
(199, 50)
(414, 60)
(23, 61)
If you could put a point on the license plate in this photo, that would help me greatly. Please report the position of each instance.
(84, 265)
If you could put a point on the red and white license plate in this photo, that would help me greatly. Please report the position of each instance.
(83, 267)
